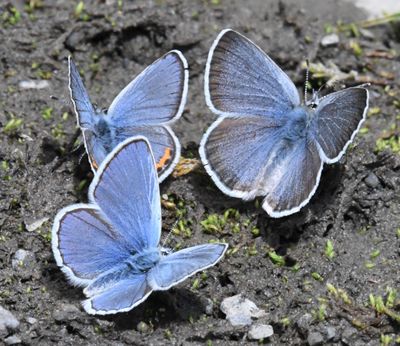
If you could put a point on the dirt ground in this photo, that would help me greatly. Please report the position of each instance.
(313, 293)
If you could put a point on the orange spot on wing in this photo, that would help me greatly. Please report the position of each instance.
(94, 163)
(164, 159)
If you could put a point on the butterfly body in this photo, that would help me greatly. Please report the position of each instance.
(265, 141)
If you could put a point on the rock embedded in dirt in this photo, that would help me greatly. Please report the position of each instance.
(8, 322)
(239, 310)
(34, 225)
(315, 339)
(66, 312)
(330, 40)
(303, 323)
(260, 331)
(372, 180)
(12, 340)
(23, 258)
(330, 333)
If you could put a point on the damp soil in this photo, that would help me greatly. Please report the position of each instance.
(307, 293)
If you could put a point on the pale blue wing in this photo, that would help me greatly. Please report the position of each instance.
(240, 79)
(337, 120)
(156, 96)
(96, 148)
(164, 145)
(255, 156)
(123, 296)
(236, 151)
(84, 244)
(178, 266)
(292, 177)
(84, 110)
(126, 190)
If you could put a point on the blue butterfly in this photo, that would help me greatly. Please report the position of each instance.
(265, 142)
(111, 246)
(146, 106)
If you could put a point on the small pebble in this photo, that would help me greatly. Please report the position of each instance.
(240, 310)
(330, 40)
(347, 335)
(66, 312)
(303, 323)
(315, 339)
(34, 225)
(31, 320)
(142, 327)
(12, 340)
(8, 322)
(372, 180)
(22, 257)
(34, 84)
(330, 333)
(260, 331)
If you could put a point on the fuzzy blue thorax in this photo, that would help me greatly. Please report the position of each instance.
(144, 260)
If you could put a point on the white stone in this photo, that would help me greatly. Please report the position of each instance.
(240, 310)
(260, 331)
(34, 84)
(330, 40)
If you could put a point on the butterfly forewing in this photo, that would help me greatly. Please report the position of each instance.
(156, 96)
(126, 190)
(84, 244)
(83, 107)
(240, 79)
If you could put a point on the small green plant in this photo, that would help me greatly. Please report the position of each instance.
(11, 16)
(374, 254)
(356, 48)
(12, 125)
(329, 251)
(276, 259)
(47, 113)
(320, 314)
(316, 276)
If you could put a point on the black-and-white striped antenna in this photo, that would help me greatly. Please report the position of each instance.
(169, 233)
(306, 82)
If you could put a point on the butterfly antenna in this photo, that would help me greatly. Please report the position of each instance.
(306, 82)
(169, 233)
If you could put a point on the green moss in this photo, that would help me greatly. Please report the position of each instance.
(276, 259)
(320, 313)
(374, 254)
(374, 111)
(392, 143)
(12, 125)
(11, 16)
(47, 113)
(329, 251)
(316, 276)
(356, 48)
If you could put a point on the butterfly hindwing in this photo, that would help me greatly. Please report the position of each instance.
(123, 296)
(293, 178)
(240, 79)
(164, 145)
(338, 118)
(178, 266)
